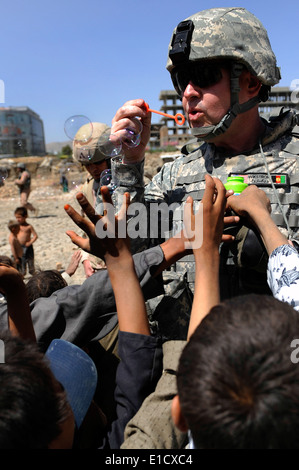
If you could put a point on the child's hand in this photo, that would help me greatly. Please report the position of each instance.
(74, 263)
(9, 278)
(205, 228)
(249, 202)
(13, 288)
(115, 249)
(88, 269)
(107, 235)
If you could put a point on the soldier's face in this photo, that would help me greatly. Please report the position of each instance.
(207, 106)
(95, 169)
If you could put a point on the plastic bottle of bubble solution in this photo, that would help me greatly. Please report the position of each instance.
(236, 183)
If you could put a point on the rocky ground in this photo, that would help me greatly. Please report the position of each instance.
(53, 246)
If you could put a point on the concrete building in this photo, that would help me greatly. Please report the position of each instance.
(167, 132)
(21, 132)
(278, 97)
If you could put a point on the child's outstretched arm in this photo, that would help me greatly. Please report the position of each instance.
(115, 249)
(19, 316)
(283, 263)
(254, 205)
(207, 227)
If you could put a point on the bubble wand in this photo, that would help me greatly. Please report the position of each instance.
(179, 118)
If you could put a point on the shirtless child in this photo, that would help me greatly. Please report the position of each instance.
(26, 236)
(15, 245)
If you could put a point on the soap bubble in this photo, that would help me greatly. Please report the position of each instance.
(78, 128)
(109, 144)
(112, 144)
(106, 180)
(131, 136)
(74, 178)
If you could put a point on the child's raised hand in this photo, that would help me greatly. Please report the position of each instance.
(13, 288)
(107, 234)
(205, 228)
(9, 278)
(251, 200)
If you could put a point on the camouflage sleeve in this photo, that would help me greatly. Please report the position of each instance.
(130, 178)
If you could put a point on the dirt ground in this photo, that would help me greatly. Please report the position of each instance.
(53, 247)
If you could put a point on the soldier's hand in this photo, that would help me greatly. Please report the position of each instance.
(123, 119)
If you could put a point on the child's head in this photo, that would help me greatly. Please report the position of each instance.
(44, 283)
(14, 226)
(6, 260)
(32, 419)
(21, 214)
(238, 382)
(43, 396)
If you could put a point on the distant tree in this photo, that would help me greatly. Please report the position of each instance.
(66, 150)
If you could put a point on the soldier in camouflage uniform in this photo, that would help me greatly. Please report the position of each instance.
(87, 154)
(222, 66)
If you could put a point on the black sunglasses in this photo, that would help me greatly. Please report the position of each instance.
(201, 75)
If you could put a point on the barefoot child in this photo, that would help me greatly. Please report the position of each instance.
(15, 246)
(26, 236)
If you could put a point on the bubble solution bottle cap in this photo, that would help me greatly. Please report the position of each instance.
(236, 183)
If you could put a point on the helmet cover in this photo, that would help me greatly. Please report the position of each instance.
(227, 33)
(89, 152)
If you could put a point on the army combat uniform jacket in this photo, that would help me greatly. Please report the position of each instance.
(273, 166)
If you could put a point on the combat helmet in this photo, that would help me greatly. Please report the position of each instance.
(85, 144)
(22, 166)
(232, 34)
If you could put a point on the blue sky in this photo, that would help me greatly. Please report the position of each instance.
(63, 58)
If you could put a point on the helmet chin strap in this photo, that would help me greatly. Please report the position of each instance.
(208, 133)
